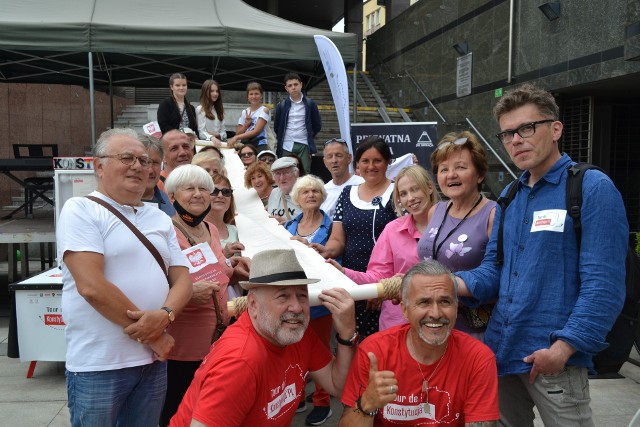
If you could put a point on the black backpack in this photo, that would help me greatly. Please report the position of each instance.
(626, 328)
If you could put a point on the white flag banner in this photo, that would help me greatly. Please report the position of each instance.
(337, 78)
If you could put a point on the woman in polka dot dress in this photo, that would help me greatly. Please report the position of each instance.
(361, 214)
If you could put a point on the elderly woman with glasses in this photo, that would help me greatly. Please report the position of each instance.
(459, 229)
(222, 215)
(189, 188)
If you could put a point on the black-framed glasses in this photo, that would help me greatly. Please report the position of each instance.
(247, 154)
(129, 159)
(525, 131)
(336, 140)
(459, 141)
(226, 192)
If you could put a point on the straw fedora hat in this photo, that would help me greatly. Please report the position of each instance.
(276, 267)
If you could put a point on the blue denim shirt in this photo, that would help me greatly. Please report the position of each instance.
(547, 289)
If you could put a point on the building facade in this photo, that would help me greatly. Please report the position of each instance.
(585, 52)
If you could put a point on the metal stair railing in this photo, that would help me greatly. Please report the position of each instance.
(359, 98)
(408, 74)
(494, 152)
(382, 109)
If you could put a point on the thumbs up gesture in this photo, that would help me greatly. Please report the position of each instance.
(382, 387)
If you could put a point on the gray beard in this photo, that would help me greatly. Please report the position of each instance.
(274, 328)
(434, 341)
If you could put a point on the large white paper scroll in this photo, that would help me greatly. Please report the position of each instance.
(258, 232)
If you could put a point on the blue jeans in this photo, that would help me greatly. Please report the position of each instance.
(121, 397)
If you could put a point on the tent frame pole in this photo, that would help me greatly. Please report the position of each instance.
(92, 102)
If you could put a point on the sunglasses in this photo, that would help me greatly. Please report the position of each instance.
(459, 141)
(336, 140)
(226, 192)
(249, 154)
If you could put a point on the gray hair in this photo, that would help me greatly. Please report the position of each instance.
(209, 156)
(307, 181)
(151, 143)
(105, 138)
(188, 175)
(426, 268)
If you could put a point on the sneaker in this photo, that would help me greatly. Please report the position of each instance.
(318, 415)
(301, 407)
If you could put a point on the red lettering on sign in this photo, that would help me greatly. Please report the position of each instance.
(53, 319)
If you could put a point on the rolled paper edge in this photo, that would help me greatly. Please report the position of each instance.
(358, 293)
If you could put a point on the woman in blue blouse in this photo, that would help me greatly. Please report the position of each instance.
(313, 226)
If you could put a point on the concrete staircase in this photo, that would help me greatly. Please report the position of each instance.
(367, 113)
(135, 116)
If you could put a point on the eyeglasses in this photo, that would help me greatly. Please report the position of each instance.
(459, 141)
(249, 154)
(336, 140)
(286, 172)
(525, 131)
(129, 159)
(226, 192)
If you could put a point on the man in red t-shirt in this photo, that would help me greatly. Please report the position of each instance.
(255, 375)
(424, 372)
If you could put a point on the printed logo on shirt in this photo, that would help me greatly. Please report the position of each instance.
(408, 413)
(412, 408)
(285, 392)
(280, 212)
(288, 395)
(549, 220)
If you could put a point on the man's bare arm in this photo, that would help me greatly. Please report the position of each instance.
(87, 269)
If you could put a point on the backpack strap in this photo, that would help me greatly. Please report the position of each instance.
(574, 194)
(503, 202)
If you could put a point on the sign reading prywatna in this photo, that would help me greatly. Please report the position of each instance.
(403, 138)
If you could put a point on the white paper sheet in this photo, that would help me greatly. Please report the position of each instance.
(258, 232)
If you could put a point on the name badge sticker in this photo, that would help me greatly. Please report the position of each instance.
(549, 220)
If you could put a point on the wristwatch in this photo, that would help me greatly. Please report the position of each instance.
(171, 314)
(350, 342)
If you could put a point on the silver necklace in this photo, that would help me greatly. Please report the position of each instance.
(425, 382)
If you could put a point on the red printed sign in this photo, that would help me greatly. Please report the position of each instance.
(53, 319)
